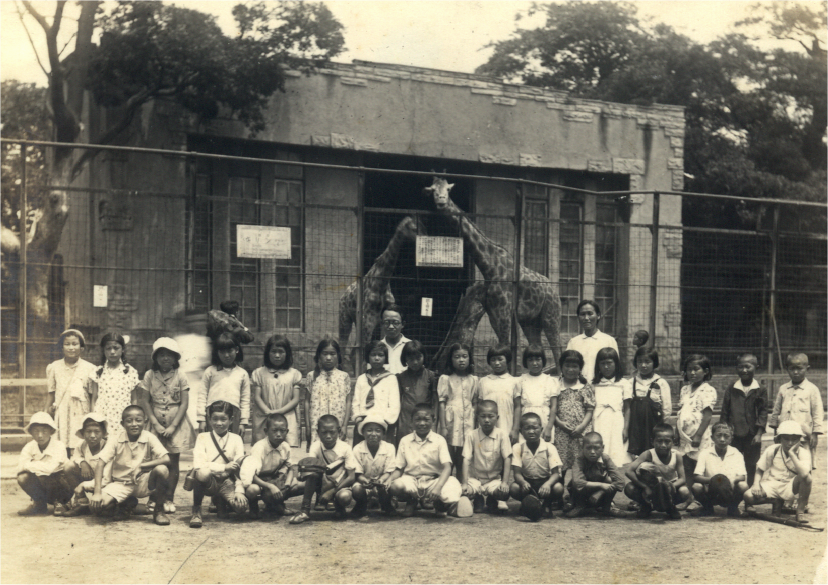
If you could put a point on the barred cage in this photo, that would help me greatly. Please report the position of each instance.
(150, 257)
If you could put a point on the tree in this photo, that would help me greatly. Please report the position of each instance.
(153, 51)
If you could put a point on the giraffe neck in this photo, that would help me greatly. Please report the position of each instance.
(483, 250)
(384, 264)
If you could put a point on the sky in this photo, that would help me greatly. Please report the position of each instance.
(439, 34)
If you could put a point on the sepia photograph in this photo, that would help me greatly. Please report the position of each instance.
(440, 291)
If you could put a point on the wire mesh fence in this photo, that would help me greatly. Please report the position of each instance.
(149, 257)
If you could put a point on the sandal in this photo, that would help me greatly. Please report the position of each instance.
(300, 518)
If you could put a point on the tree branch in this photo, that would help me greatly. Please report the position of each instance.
(31, 41)
(37, 16)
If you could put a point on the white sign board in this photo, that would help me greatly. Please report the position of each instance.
(260, 241)
(439, 252)
(426, 306)
(100, 295)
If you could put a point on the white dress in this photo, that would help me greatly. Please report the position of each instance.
(608, 419)
(69, 384)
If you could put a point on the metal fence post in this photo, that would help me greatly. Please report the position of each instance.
(24, 269)
(513, 341)
(773, 333)
(358, 358)
(654, 266)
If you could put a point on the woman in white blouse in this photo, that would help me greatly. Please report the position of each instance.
(592, 340)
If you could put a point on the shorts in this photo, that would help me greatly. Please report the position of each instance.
(415, 487)
(775, 488)
(225, 488)
(121, 491)
(483, 489)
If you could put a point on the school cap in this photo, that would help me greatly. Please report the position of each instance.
(95, 417)
(75, 332)
(531, 507)
(790, 427)
(373, 418)
(720, 488)
(41, 418)
(166, 343)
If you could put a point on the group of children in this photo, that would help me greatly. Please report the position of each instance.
(456, 444)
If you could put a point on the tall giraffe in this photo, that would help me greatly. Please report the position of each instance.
(539, 307)
(376, 288)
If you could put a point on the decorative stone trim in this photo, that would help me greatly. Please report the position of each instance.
(530, 160)
(678, 181)
(628, 166)
(672, 241)
(675, 164)
(504, 101)
(585, 117)
(599, 166)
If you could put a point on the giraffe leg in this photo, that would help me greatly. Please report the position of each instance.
(469, 312)
(551, 320)
(499, 309)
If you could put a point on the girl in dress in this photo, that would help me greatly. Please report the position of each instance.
(539, 391)
(226, 380)
(457, 394)
(376, 391)
(650, 396)
(113, 386)
(67, 400)
(276, 389)
(576, 403)
(696, 403)
(329, 389)
(165, 396)
(612, 404)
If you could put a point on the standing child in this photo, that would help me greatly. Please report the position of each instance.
(783, 472)
(166, 397)
(217, 456)
(719, 478)
(226, 380)
(503, 388)
(329, 388)
(612, 404)
(276, 389)
(695, 411)
(67, 399)
(800, 401)
(640, 339)
(659, 469)
(536, 465)
(376, 391)
(651, 401)
(40, 470)
(375, 462)
(80, 470)
(539, 391)
(745, 408)
(595, 479)
(113, 385)
(417, 384)
(576, 403)
(457, 392)
(487, 460)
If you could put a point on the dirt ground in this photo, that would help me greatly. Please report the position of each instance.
(483, 548)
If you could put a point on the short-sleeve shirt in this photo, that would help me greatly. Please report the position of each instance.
(164, 389)
(84, 453)
(127, 457)
(710, 464)
(537, 465)
(422, 457)
(487, 453)
(266, 461)
(691, 405)
(394, 364)
(777, 466)
(503, 390)
(659, 391)
(341, 451)
(589, 347)
(373, 466)
(45, 462)
(602, 471)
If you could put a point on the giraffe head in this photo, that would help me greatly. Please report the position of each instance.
(411, 227)
(439, 189)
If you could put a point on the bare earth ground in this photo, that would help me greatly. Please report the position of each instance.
(483, 548)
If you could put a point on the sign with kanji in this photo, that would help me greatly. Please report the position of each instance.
(260, 241)
(439, 252)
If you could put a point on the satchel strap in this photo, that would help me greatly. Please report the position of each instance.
(220, 450)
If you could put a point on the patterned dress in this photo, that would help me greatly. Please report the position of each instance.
(691, 406)
(328, 393)
(115, 388)
(459, 393)
(573, 403)
(69, 385)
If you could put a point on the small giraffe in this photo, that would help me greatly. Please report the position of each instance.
(539, 307)
(376, 290)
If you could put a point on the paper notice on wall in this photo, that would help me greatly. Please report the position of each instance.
(439, 252)
(100, 295)
(259, 241)
(425, 307)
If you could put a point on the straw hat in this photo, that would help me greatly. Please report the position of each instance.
(41, 418)
(373, 418)
(93, 416)
(790, 427)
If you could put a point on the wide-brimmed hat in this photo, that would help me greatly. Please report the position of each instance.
(166, 343)
(373, 418)
(95, 417)
(790, 427)
(41, 418)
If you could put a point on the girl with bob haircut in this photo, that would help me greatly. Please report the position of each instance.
(276, 389)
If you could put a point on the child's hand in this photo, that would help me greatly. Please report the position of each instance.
(429, 495)
(158, 428)
(169, 431)
(240, 503)
(343, 433)
(757, 439)
(576, 433)
(624, 436)
(96, 501)
(466, 489)
(503, 489)
(275, 492)
(525, 488)
(86, 471)
(514, 436)
(758, 492)
(814, 440)
(231, 467)
(647, 494)
(545, 490)
(547, 435)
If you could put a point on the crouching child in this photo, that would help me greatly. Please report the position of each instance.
(217, 457)
(423, 470)
(783, 471)
(536, 466)
(80, 469)
(139, 469)
(40, 472)
(720, 475)
(595, 479)
(375, 461)
(487, 460)
(334, 483)
(266, 473)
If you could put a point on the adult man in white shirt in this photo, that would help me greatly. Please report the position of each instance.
(393, 324)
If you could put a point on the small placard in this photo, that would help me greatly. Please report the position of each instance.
(259, 241)
(425, 307)
(439, 252)
(100, 295)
